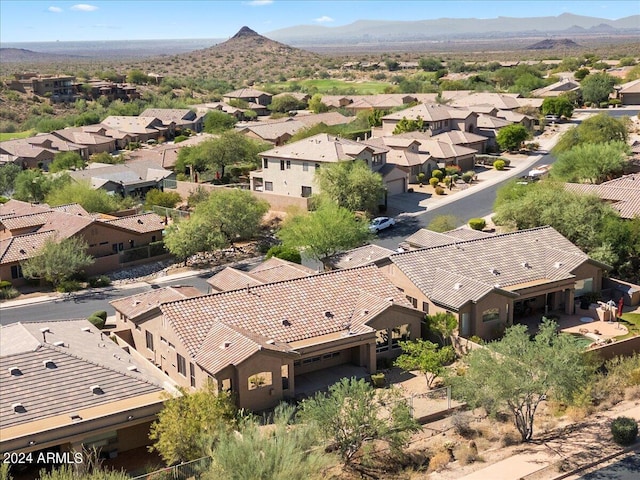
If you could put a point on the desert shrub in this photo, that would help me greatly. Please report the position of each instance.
(439, 174)
(439, 191)
(420, 177)
(378, 380)
(8, 293)
(477, 223)
(577, 414)
(461, 422)
(433, 181)
(101, 281)
(632, 393)
(499, 164)
(100, 314)
(447, 181)
(180, 138)
(452, 170)
(468, 454)
(5, 284)
(96, 322)
(440, 460)
(67, 286)
(468, 176)
(624, 430)
(284, 252)
(509, 436)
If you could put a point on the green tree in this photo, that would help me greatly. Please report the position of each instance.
(596, 87)
(189, 422)
(429, 64)
(581, 74)
(226, 216)
(426, 357)
(442, 324)
(137, 76)
(406, 125)
(92, 200)
(511, 137)
(57, 261)
(216, 121)
(316, 105)
(285, 253)
(443, 223)
(591, 162)
(66, 161)
(560, 106)
(324, 232)
(162, 199)
(283, 452)
(8, 174)
(353, 414)
(517, 374)
(33, 185)
(352, 185)
(286, 103)
(600, 128)
(104, 157)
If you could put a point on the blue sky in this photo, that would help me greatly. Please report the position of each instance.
(35, 21)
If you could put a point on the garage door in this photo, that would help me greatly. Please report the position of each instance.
(395, 187)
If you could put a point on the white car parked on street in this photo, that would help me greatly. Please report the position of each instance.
(381, 223)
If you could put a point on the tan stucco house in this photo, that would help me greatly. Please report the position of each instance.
(259, 341)
(485, 281)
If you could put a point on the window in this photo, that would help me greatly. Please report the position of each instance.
(163, 340)
(306, 192)
(581, 286)
(192, 374)
(425, 307)
(120, 247)
(491, 314)
(226, 385)
(305, 167)
(153, 238)
(149, 340)
(259, 380)
(401, 333)
(114, 247)
(16, 271)
(288, 164)
(281, 164)
(413, 301)
(382, 341)
(268, 186)
(182, 365)
(138, 327)
(265, 163)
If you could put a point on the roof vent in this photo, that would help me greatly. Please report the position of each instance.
(557, 265)
(457, 286)
(525, 265)
(328, 314)
(49, 363)
(18, 408)
(132, 368)
(96, 389)
(224, 345)
(364, 312)
(286, 323)
(45, 330)
(494, 271)
(59, 343)
(136, 302)
(75, 417)
(271, 342)
(15, 371)
(23, 251)
(86, 329)
(140, 222)
(497, 285)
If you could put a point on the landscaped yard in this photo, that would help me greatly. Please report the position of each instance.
(12, 136)
(632, 322)
(330, 86)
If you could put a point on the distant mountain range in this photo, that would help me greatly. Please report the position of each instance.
(443, 29)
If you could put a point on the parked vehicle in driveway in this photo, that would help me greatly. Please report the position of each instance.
(551, 118)
(381, 223)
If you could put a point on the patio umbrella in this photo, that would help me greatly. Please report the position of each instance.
(620, 305)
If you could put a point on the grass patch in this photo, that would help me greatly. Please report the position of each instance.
(331, 86)
(16, 135)
(632, 322)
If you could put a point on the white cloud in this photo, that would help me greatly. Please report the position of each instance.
(323, 19)
(55, 9)
(259, 3)
(83, 7)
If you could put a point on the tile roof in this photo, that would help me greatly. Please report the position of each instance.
(488, 121)
(130, 173)
(142, 223)
(431, 112)
(360, 256)
(274, 130)
(56, 375)
(498, 100)
(557, 88)
(177, 115)
(287, 311)
(131, 124)
(232, 279)
(21, 247)
(458, 137)
(72, 208)
(245, 93)
(137, 305)
(25, 221)
(328, 118)
(496, 262)
(629, 87)
(623, 192)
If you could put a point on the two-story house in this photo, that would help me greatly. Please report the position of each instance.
(436, 119)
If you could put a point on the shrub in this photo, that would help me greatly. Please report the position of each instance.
(8, 293)
(447, 181)
(439, 174)
(439, 461)
(68, 286)
(420, 177)
(5, 284)
(604, 104)
(499, 164)
(452, 170)
(433, 181)
(285, 253)
(468, 176)
(96, 322)
(378, 380)
(101, 281)
(477, 223)
(180, 138)
(439, 191)
(624, 430)
(468, 454)
(100, 314)
(461, 422)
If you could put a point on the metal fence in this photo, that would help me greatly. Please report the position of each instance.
(173, 213)
(192, 470)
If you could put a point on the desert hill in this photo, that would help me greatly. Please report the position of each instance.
(247, 55)
(552, 44)
(18, 55)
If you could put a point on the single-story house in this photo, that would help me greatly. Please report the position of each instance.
(623, 194)
(628, 93)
